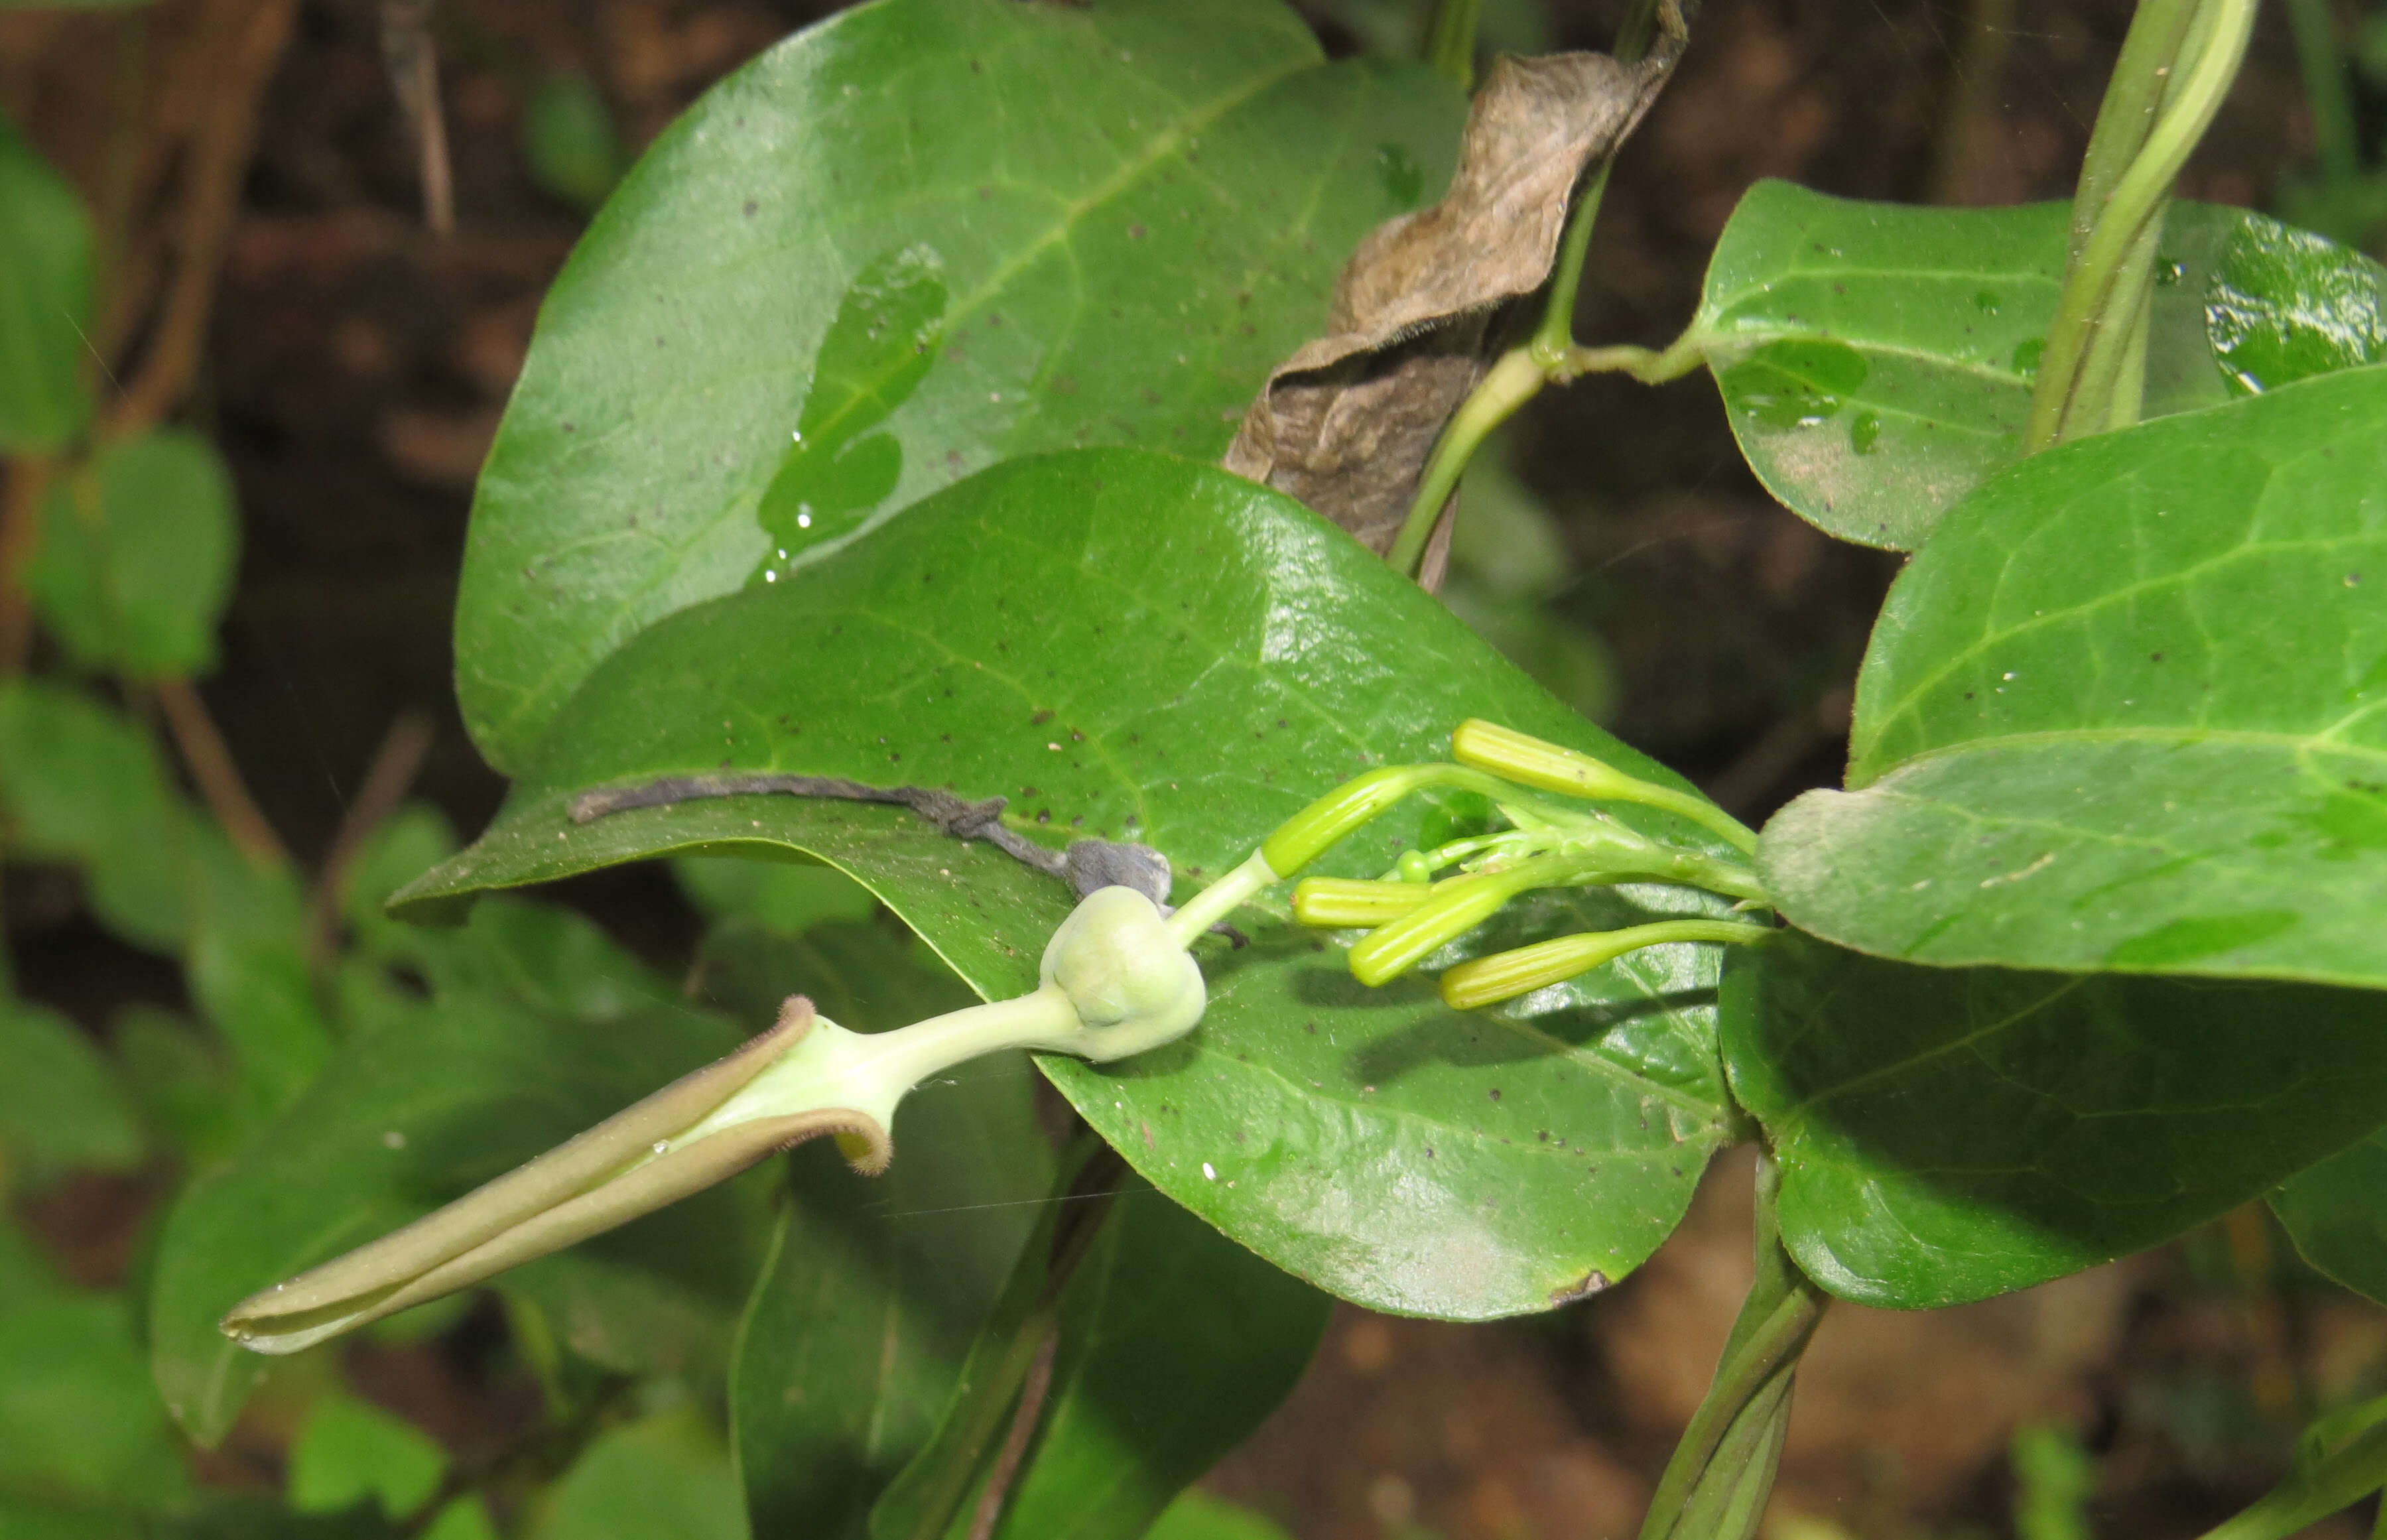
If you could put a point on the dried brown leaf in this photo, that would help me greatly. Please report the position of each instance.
(1347, 422)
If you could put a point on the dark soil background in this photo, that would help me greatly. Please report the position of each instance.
(353, 372)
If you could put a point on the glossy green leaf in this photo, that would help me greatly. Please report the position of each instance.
(61, 1106)
(1134, 646)
(873, 1288)
(927, 235)
(536, 1029)
(350, 1452)
(2125, 712)
(1947, 1134)
(136, 559)
(665, 1475)
(2337, 1211)
(1175, 1344)
(46, 298)
(2286, 305)
(1199, 1516)
(1876, 359)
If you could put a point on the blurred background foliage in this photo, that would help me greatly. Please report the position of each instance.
(279, 259)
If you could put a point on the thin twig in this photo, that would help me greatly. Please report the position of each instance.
(219, 159)
(412, 56)
(1024, 1419)
(216, 777)
(20, 534)
(1978, 68)
(387, 780)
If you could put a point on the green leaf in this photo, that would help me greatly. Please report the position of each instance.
(466, 1518)
(504, 1061)
(779, 897)
(77, 1420)
(2286, 305)
(46, 298)
(2124, 712)
(79, 783)
(350, 1452)
(660, 1296)
(1198, 1516)
(666, 1475)
(246, 965)
(227, 1517)
(569, 140)
(31, 1519)
(1175, 1344)
(2337, 1212)
(183, 1083)
(1132, 645)
(1946, 1134)
(1876, 359)
(1113, 219)
(61, 1107)
(136, 559)
(873, 1289)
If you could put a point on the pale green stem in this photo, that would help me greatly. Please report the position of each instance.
(2134, 94)
(1682, 356)
(2103, 287)
(1516, 379)
(1724, 1464)
(1221, 898)
(1555, 338)
(1450, 41)
(2308, 1496)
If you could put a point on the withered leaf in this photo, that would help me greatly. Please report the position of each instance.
(1347, 422)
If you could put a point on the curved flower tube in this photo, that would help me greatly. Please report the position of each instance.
(1116, 980)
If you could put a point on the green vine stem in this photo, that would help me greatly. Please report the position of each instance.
(2339, 1460)
(2336, 139)
(1450, 41)
(2177, 66)
(1715, 1486)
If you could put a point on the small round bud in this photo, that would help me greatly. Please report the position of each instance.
(1132, 985)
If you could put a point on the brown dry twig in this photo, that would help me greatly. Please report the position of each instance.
(20, 528)
(216, 777)
(411, 56)
(387, 780)
(217, 160)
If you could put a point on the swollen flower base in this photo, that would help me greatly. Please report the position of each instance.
(1117, 978)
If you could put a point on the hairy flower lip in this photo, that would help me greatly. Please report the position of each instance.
(591, 1182)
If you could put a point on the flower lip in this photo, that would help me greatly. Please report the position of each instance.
(591, 1182)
